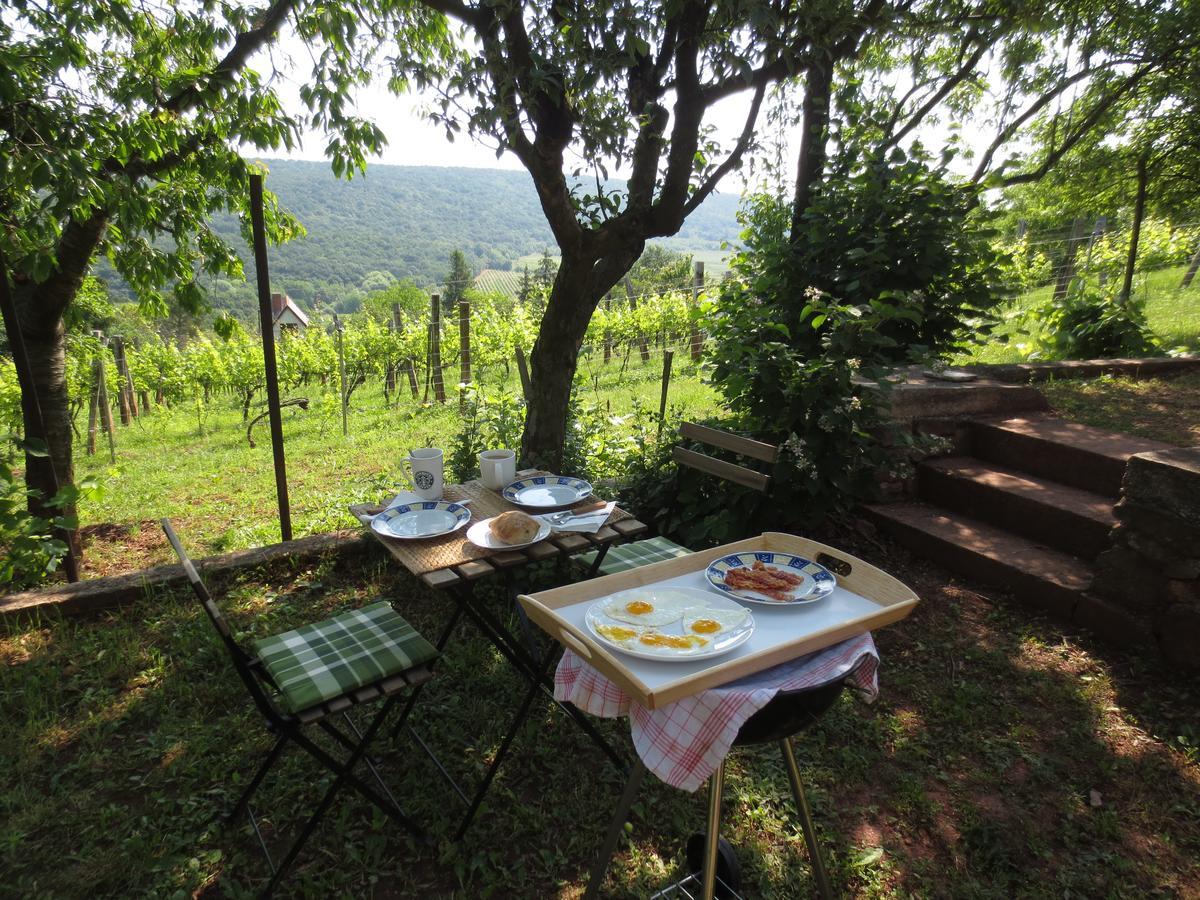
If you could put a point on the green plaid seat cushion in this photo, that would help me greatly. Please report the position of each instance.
(623, 557)
(324, 660)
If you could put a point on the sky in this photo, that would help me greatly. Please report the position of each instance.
(412, 140)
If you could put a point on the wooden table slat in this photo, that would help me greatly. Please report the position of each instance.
(629, 527)
(476, 568)
(508, 558)
(570, 543)
(440, 578)
(541, 551)
(606, 535)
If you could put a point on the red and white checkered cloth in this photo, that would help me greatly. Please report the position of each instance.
(684, 742)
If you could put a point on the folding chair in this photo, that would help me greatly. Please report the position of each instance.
(621, 558)
(310, 675)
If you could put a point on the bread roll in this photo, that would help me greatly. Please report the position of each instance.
(514, 527)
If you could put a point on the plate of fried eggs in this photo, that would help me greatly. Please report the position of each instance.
(666, 623)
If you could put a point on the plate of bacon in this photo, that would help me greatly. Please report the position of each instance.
(773, 579)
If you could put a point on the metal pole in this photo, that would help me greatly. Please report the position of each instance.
(29, 397)
(268, 340)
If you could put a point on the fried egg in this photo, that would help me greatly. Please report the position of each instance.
(618, 634)
(660, 641)
(648, 608)
(711, 622)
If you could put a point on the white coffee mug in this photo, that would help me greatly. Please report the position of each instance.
(424, 470)
(497, 468)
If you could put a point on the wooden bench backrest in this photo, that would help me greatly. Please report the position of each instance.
(726, 471)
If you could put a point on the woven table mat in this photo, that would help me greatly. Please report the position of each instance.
(431, 554)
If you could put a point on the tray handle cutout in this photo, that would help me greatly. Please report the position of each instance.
(838, 567)
(578, 647)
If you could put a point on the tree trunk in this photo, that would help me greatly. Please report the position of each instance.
(1135, 234)
(813, 139)
(47, 350)
(579, 286)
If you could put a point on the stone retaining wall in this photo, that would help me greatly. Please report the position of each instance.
(1150, 577)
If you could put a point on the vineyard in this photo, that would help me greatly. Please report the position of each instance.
(181, 413)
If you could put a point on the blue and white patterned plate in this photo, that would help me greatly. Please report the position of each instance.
(424, 519)
(546, 491)
(818, 581)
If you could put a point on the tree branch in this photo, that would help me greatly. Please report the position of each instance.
(964, 71)
(1080, 131)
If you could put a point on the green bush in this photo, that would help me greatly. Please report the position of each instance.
(1092, 323)
(887, 269)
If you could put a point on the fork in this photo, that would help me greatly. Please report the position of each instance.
(567, 515)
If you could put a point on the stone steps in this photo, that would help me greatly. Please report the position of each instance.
(1039, 576)
(1064, 518)
(1057, 450)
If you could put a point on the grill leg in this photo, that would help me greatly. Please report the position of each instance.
(806, 822)
(712, 837)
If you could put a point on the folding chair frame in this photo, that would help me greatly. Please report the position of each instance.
(288, 728)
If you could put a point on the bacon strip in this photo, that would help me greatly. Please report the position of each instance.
(766, 580)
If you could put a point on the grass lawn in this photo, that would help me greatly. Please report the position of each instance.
(1174, 316)
(1005, 758)
(222, 493)
(1163, 409)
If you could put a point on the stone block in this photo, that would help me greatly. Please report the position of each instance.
(1173, 534)
(1127, 578)
(1178, 632)
(1184, 593)
(1112, 622)
(1167, 481)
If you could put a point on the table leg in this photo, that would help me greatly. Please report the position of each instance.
(615, 826)
(502, 751)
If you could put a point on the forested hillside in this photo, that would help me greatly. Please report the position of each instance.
(405, 221)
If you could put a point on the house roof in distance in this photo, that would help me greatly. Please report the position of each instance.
(281, 303)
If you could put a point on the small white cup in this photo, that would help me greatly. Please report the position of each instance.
(497, 468)
(424, 469)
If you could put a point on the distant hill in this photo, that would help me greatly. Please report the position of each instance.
(406, 220)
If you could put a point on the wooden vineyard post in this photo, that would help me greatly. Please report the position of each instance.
(102, 399)
(123, 388)
(93, 410)
(411, 368)
(607, 335)
(668, 355)
(464, 347)
(697, 287)
(641, 338)
(1066, 272)
(389, 372)
(523, 371)
(340, 336)
(435, 348)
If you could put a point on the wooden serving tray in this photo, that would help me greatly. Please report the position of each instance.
(865, 598)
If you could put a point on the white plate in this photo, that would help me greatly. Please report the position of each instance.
(480, 534)
(547, 491)
(818, 581)
(426, 519)
(724, 643)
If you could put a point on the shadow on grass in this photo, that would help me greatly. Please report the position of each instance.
(972, 776)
